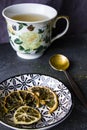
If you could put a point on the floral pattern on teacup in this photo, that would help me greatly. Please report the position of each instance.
(31, 40)
(27, 38)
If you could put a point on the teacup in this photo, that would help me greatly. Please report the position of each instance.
(30, 26)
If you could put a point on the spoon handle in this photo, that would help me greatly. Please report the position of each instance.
(76, 89)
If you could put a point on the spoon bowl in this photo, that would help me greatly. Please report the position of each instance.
(59, 62)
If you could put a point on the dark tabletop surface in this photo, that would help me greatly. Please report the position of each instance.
(75, 48)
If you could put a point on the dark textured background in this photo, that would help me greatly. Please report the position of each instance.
(75, 9)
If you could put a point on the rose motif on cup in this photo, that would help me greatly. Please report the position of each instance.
(30, 40)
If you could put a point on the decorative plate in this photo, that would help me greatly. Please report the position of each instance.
(22, 82)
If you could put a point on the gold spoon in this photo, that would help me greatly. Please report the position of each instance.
(61, 63)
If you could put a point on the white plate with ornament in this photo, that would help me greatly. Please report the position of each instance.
(23, 82)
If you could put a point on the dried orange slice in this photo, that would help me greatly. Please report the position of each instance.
(46, 97)
(19, 98)
(26, 115)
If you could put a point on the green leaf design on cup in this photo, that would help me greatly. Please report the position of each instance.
(18, 41)
(47, 39)
(40, 31)
(21, 48)
(40, 49)
(21, 25)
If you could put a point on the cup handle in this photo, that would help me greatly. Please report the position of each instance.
(65, 30)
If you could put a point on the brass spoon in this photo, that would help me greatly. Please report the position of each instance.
(61, 63)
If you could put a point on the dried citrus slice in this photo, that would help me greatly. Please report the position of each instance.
(19, 98)
(13, 100)
(3, 110)
(46, 97)
(29, 98)
(26, 115)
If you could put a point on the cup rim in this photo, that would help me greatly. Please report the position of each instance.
(41, 21)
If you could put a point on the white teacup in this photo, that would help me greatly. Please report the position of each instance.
(30, 27)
